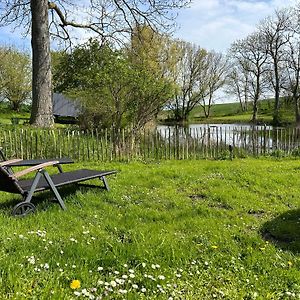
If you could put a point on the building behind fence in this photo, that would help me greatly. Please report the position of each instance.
(170, 143)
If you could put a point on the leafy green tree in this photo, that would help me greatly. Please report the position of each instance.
(15, 77)
(109, 20)
(112, 90)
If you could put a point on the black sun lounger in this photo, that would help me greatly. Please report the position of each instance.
(33, 162)
(9, 182)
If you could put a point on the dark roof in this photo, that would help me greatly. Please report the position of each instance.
(65, 107)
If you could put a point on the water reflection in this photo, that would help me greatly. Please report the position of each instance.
(238, 135)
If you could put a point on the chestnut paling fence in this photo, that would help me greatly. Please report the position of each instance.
(170, 143)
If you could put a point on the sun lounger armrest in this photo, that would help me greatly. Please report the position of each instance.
(34, 168)
(8, 162)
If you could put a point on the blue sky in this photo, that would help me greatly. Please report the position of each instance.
(215, 24)
(212, 24)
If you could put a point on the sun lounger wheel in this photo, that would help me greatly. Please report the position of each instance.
(23, 209)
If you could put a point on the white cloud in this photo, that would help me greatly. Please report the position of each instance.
(215, 24)
(212, 24)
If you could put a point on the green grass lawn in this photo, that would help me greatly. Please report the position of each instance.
(166, 230)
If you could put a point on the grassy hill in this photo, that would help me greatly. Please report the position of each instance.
(220, 113)
(232, 113)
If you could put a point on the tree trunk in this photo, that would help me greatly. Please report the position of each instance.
(255, 110)
(297, 113)
(276, 117)
(41, 113)
(256, 96)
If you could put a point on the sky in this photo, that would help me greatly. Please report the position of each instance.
(211, 24)
(215, 24)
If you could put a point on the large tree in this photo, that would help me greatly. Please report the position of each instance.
(211, 80)
(108, 19)
(191, 62)
(276, 32)
(113, 90)
(237, 82)
(251, 54)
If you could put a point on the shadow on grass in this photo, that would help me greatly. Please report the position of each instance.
(46, 199)
(284, 231)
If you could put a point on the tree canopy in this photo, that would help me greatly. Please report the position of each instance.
(112, 89)
(110, 20)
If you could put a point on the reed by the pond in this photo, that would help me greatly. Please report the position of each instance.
(110, 144)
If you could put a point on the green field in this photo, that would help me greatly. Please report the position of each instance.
(166, 230)
(220, 113)
(231, 113)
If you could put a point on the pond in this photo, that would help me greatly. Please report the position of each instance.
(238, 135)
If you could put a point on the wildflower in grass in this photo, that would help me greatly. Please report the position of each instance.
(131, 275)
(262, 248)
(113, 283)
(117, 272)
(122, 291)
(135, 286)
(85, 293)
(75, 284)
(143, 290)
(178, 275)
(77, 293)
(214, 247)
(161, 277)
(131, 271)
(125, 266)
(290, 263)
(206, 263)
(61, 252)
(100, 282)
(46, 266)
(143, 265)
(73, 266)
(31, 260)
(21, 236)
(100, 269)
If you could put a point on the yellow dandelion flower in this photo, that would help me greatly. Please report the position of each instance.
(214, 247)
(75, 284)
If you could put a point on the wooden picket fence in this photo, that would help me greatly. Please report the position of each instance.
(170, 143)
